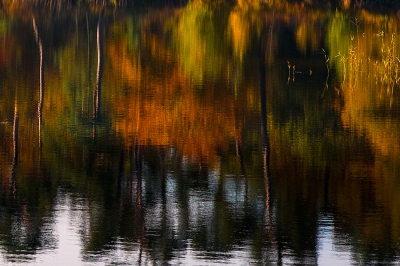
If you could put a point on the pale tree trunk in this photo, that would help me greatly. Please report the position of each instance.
(15, 147)
(41, 81)
(99, 73)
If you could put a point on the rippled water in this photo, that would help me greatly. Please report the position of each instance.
(199, 136)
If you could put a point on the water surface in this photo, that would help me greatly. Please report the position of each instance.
(199, 136)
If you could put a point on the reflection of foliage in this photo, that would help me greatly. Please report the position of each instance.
(171, 103)
(198, 38)
(5, 25)
(364, 49)
(240, 25)
(174, 136)
(307, 38)
(369, 68)
(339, 25)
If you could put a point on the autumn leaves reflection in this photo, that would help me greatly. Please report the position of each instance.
(147, 115)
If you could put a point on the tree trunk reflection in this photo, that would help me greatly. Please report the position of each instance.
(41, 84)
(99, 73)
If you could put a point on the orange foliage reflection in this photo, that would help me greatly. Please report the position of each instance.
(164, 109)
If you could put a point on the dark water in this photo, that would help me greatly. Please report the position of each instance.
(199, 136)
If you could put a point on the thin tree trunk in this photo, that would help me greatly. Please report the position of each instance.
(41, 80)
(264, 132)
(99, 73)
(15, 146)
(272, 230)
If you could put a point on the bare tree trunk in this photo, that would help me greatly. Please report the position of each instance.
(264, 132)
(15, 147)
(97, 91)
(272, 230)
(41, 81)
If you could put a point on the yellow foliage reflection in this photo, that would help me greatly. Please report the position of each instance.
(367, 57)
